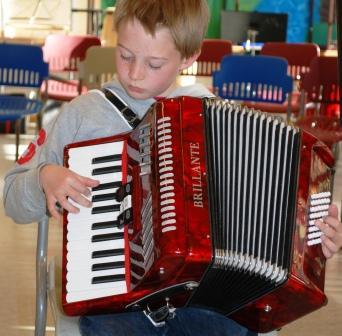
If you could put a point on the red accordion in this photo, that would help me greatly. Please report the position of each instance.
(204, 204)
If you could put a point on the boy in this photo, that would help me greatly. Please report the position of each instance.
(157, 39)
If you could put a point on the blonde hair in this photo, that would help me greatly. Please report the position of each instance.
(187, 20)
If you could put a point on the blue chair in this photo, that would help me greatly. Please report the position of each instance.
(258, 79)
(22, 69)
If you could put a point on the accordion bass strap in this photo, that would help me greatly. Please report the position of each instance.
(130, 116)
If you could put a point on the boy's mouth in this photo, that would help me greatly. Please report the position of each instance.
(135, 89)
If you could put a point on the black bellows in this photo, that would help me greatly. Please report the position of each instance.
(252, 168)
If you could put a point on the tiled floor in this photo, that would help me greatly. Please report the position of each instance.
(17, 279)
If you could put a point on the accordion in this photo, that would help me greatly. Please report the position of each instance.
(204, 204)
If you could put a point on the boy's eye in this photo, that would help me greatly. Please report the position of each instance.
(126, 57)
(154, 66)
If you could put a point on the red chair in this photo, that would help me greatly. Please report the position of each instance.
(299, 57)
(210, 58)
(63, 53)
(320, 88)
(320, 100)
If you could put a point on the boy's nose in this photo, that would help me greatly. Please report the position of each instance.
(137, 71)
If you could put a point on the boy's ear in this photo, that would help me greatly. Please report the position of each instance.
(187, 62)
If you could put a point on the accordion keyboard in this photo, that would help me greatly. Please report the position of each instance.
(96, 259)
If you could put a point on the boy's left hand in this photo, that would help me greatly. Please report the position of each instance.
(331, 228)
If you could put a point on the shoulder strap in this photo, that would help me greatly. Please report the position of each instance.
(127, 113)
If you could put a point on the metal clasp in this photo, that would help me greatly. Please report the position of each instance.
(159, 316)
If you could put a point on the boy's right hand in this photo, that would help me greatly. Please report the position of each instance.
(59, 183)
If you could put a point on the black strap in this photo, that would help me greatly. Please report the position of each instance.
(127, 113)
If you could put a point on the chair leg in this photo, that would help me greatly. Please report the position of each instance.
(17, 137)
(41, 277)
(39, 121)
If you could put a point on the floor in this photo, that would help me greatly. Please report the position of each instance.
(17, 280)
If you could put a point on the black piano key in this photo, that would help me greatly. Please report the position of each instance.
(108, 265)
(107, 253)
(108, 278)
(104, 197)
(107, 158)
(109, 185)
(107, 236)
(106, 170)
(105, 225)
(105, 209)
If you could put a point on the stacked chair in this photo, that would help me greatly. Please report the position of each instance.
(22, 72)
(97, 68)
(64, 54)
(299, 57)
(210, 58)
(252, 80)
(320, 97)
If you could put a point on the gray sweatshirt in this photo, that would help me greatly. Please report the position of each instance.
(89, 116)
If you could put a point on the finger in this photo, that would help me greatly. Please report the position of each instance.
(333, 211)
(53, 210)
(332, 218)
(329, 225)
(65, 204)
(91, 183)
(78, 186)
(329, 244)
(327, 253)
(79, 199)
(325, 228)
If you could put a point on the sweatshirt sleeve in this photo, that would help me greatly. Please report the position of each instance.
(24, 199)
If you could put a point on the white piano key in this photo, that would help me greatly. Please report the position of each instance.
(86, 213)
(84, 284)
(87, 234)
(85, 276)
(95, 293)
(106, 164)
(81, 245)
(80, 158)
(85, 260)
(92, 218)
(86, 224)
(104, 191)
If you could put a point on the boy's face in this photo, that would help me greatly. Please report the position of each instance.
(147, 66)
